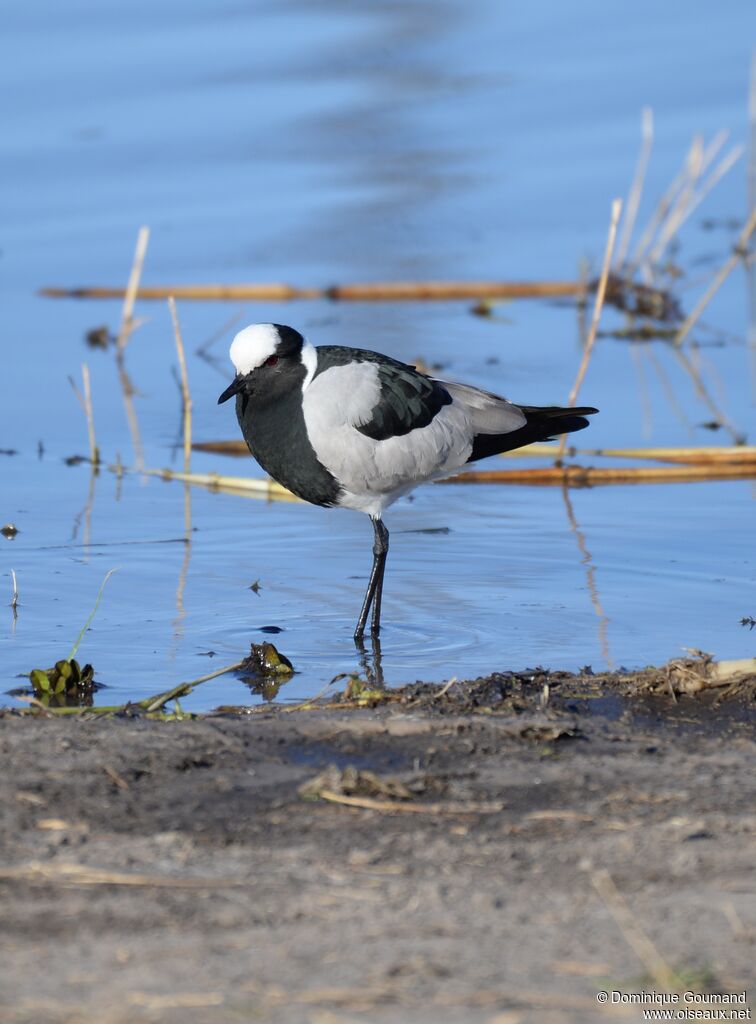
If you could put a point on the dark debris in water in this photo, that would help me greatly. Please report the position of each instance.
(99, 337)
(265, 670)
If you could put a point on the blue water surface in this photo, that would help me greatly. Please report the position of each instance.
(325, 143)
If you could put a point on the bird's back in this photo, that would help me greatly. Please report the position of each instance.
(381, 427)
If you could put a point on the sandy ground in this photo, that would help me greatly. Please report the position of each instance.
(172, 871)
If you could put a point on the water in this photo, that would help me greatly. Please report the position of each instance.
(428, 140)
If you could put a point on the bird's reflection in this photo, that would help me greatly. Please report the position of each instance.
(370, 661)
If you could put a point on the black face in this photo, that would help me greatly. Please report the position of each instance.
(277, 376)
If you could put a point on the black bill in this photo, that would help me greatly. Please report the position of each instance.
(233, 389)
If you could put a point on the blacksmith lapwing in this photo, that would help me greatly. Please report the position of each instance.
(351, 428)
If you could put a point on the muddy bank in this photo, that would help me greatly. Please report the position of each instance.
(454, 856)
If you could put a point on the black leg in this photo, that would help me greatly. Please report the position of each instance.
(375, 625)
(374, 590)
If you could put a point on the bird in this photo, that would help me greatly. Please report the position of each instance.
(352, 428)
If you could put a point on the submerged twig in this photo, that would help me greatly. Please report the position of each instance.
(158, 700)
(738, 253)
(186, 397)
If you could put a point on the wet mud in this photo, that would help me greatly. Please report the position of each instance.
(449, 854)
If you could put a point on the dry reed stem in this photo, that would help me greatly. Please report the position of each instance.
(186, 397)
(657, 217)
(589, 476)
(737, 453)
(752, 133)
(636, 189)
(674, 225)
(724, 272)
(678, 217)
(94, 451)
(694, 165)
(80, 874)
(85, 401)
(263, 488)
(598, 306)
(132, 288)
(664, 976)
(380, 291)
(675, 205)
(115, 778)
(570, 476)
(367, 803)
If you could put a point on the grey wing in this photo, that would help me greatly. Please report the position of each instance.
(488, 413)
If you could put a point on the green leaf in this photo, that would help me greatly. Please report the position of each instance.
(88, 623)
(40, 680)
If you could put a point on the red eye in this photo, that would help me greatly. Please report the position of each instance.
(271, 361)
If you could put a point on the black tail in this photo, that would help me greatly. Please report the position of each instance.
(544, 423)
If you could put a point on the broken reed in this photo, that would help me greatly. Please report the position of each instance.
(126, 329)
(132, 288)
(740, 252)
(598, 306)
(85, 401)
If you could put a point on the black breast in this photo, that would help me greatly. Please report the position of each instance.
(276, 435)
